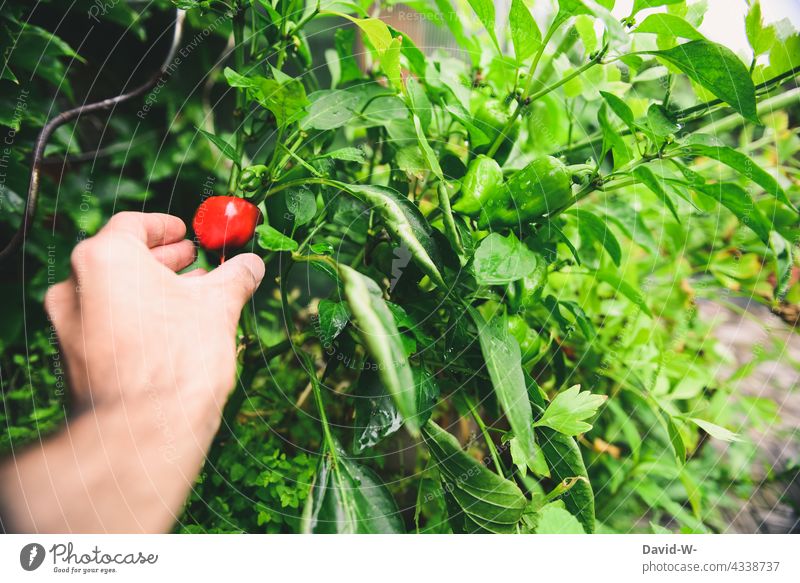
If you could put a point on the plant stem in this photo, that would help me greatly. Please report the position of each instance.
(767, 106)
(486, 437)
(528, 88)
(236, 400)
(525, 99)
(238, 114)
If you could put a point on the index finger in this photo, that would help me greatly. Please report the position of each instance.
(153, 229)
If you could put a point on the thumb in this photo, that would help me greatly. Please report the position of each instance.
(238, 277)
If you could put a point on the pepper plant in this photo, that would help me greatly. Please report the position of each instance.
(486, 260)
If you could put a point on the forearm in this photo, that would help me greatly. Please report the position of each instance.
(124, 467)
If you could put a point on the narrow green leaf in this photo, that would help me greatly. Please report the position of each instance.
(784, 263)
(378, 331)
(745, 166)
(224, 147)
(390, 63)
(525, 34)
(623, 287)
(669, 24)
(347, 498)
(718, 70)
(620, 108)
(737, 200)
(564, 458)
(714, 430)
(503, 362)
(646, 176)
(404, 221)
(612, 140)
(484, 10)
(489, 502)
(594, 228)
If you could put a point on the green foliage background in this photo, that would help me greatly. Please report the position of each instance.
(686, 182)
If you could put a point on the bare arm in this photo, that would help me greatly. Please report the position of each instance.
(151, 359)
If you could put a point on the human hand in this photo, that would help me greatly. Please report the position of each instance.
(130, 327)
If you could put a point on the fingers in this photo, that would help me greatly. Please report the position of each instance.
(175, 256)
(60, 303)
(239, 277)
(153, 229)
(194, 273)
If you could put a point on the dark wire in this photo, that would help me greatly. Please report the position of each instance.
(66, 116)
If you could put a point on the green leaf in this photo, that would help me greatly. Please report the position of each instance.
(537, 464)
(565, 461)
(623, 287)
(612, 140)
(405, 222)
(737, 200)
(235, 79)
(500, 260)
(784, 263)
(285, 99)
(484, 9)
(621, 109)
(745, 166)
(348, 154)
(273, 240)
(762, 38)
(224, 147)
(593, 228)
(503, 362)
(714, 430)
(431, 159)
(669, 24)
(344, 43)
(390, 63)
(329, 109)
(487, 501)
(347, 498)
(553, 519)
(376, 416)
(675, 437)
(427, 390)
(418, 101)
(302, 203)
(332, 318)
(569, 8)
(375, 29)
(525, 35)
(378, 331)
(647, 177)
(566, 413)
(642, 4)
(659, 122)
(718, 70)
